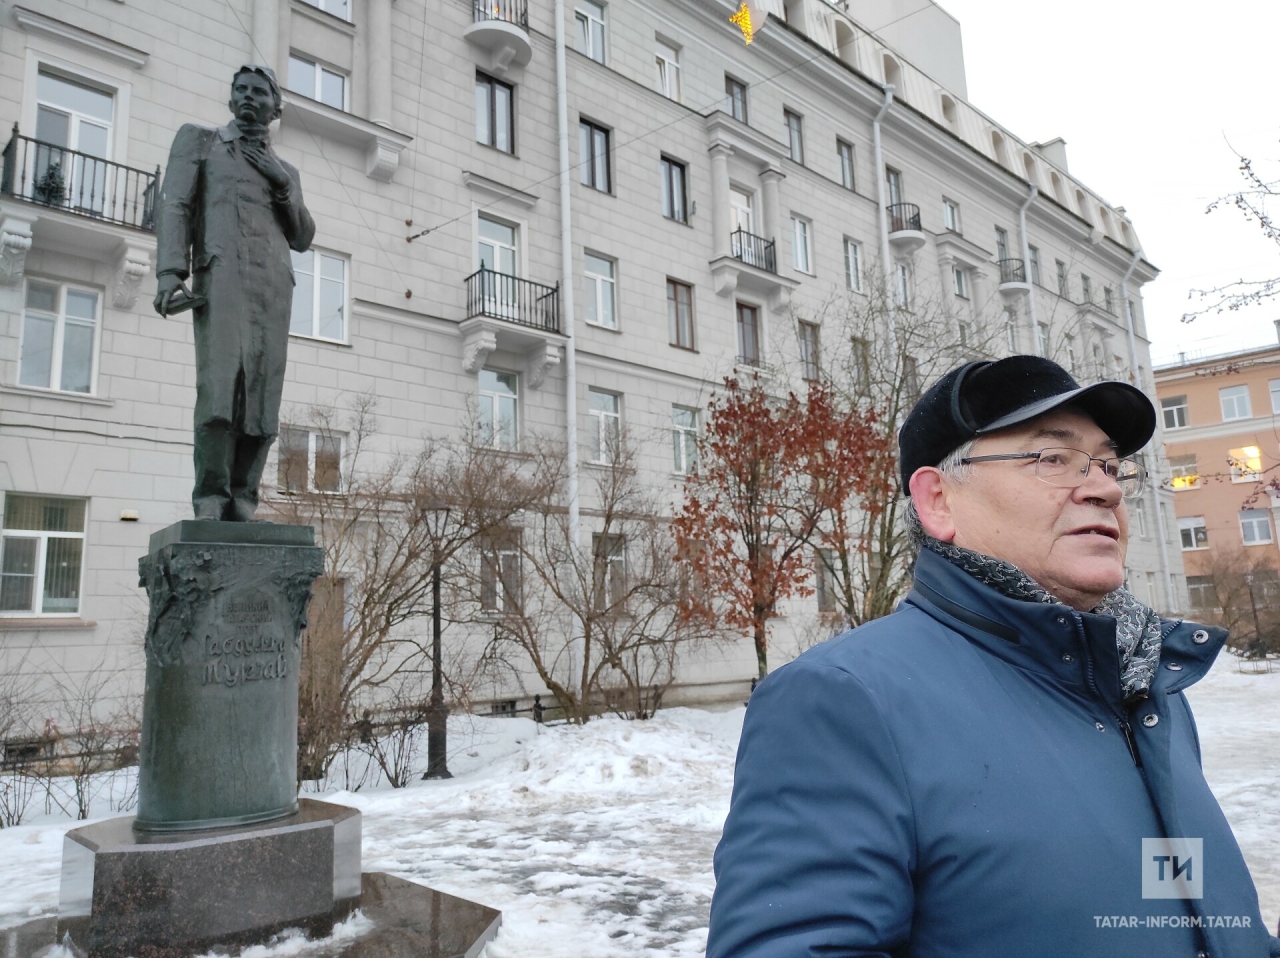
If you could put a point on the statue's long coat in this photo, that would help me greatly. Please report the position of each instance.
(219, 223)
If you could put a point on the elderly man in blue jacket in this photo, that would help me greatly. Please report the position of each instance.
(1007, 766)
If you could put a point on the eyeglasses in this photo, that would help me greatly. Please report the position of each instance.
(1061, 466)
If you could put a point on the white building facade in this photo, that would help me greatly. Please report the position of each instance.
(715, 192)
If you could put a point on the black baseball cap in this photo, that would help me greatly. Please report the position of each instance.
(984, 397)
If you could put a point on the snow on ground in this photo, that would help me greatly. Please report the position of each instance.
(598, 840)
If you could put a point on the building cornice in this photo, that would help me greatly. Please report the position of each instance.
(44, 25)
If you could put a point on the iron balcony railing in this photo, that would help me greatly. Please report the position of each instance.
(1012, 271)
(903, 216)
(516, 300)
(754, 250)
(509, 11)
(76, 182)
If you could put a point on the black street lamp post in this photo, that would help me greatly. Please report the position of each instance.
(437, 711)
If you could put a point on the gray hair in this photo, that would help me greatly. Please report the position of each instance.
(954, 469)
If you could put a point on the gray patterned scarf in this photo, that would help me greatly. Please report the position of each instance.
(1137, 626)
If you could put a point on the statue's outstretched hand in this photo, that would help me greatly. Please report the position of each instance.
(266, 163)
(166, 286)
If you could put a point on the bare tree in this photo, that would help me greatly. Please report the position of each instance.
(1254, 201)
(1240, 591)
(596, 623)
(378, 519)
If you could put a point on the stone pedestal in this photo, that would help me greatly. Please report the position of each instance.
(148, 895)
(220, 707)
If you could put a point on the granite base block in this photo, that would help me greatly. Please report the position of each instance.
(131, 894)
(407, 921)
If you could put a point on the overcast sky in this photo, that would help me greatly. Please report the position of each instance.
(1151, 98)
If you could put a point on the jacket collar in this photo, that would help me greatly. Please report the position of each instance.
(1077, 649)
(232, 131)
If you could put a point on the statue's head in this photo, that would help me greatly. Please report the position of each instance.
(255, 95)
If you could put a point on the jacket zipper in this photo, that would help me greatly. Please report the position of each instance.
(1123, 724)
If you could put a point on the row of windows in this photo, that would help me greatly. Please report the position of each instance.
(1234, 403)
(42, 541)
(1255, 530)
(1243, 463)
(58, 343)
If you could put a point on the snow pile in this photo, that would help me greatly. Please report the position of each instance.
(598, 840)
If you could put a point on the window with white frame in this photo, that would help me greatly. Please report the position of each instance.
(1138, 510)
(748, 317)
(853, 265)
(610, 572)
(1035, 265)
(593, 155)
(1245, 464)
(1086, 288)
(1152, 598)
(1174, 410)
(795, 134)
(41, 555)
(339, 8)
(901, 286)
(960, 282)
(1073, 359)
(1042, 329)
(1235, 402)
(1255, 526)
(951, 215)
(318, 82)
(674, 190)
(809, 335)
(801, 251)
(499, 418)
(668, 61)
(604, 411)
(59, 337)
(910, 378)
(71, 115)
(1011, 332)
(319, 296)
(308, 461)
(590, 20)
(1061, 269)
(847, 168)
(1193, 533)
(1201, 591)
(1275, 396)
(1108, 300)
(600, 290)
(1184, 472)
(962, 328)
(495, 114)
(684, 439)
(500, 572)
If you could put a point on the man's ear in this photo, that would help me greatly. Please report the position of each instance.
(929, 492)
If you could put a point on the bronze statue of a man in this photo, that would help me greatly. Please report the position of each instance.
(229, 212)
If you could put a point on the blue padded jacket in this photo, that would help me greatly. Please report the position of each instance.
(961, 779)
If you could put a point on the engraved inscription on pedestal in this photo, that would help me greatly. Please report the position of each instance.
(219, 733)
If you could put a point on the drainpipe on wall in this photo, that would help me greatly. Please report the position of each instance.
(1136, 371)
(884, 210)
(1026, 267)
(566, 277)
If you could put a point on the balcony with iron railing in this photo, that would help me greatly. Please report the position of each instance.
(74, 182)
(501, 29)
(515, 315)
(514, 300)
(1013, 278)
(905, 232)
(754, 250)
